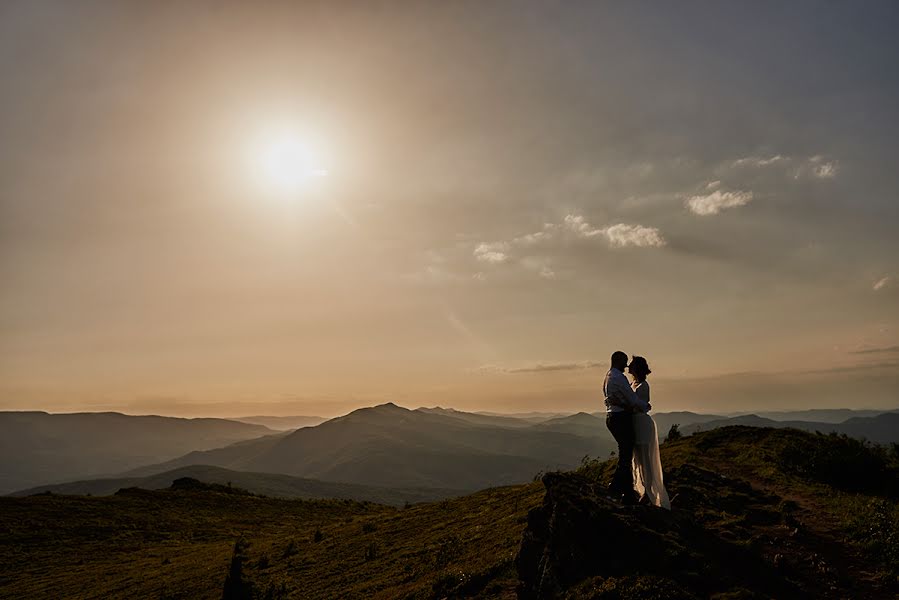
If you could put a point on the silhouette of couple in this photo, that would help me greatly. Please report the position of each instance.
(638, 478)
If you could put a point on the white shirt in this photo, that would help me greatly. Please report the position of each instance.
(619, 396)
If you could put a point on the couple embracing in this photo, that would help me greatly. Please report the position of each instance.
(638, 478)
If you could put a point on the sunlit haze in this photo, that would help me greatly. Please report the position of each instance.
(235, 208)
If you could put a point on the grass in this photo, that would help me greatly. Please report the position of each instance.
(180, 544)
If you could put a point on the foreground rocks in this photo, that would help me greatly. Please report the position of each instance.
(581, 544)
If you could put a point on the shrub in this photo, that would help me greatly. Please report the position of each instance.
(291, 549)
(842, 462)
(674, 433)
(371, 551)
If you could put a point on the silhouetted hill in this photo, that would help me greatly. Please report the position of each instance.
(820, 415)
(390, 446)
(881, 429)
(757, 513)
(583, 424)
(281, 423)
(478, 418)
(268, 484)
(664, 420)
(39, 448)
(532, 417)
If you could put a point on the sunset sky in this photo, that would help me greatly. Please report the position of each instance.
(231, 208)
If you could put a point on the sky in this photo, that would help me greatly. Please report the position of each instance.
(231, 208)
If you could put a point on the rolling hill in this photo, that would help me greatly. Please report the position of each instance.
(39, 448)
(267, 484)
(882, 428)
(819, 415)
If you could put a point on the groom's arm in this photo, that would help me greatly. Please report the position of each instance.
(626, 396)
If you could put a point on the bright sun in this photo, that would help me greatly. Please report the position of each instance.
(287, 163)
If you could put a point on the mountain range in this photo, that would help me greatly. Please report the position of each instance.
(39, 448)
(388, 445)
(384, 446)
(881, 429)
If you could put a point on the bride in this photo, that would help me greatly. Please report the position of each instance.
(647, 464)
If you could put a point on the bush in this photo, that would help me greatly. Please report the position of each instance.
(842, 462)
(674, 433)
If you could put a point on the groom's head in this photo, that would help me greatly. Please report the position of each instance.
(619, 360)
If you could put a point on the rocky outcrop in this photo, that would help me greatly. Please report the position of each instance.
(582, 544)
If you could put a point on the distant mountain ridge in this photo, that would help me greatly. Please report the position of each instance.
(382, 446)
(281, 423)
(881, 429)
(39, 448)
(391, 446)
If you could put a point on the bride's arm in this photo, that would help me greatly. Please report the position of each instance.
(643, 394)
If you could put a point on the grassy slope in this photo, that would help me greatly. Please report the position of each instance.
(175, 544)
(846, 511)
(268, 484)
(178, 544)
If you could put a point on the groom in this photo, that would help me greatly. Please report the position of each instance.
(621, 401)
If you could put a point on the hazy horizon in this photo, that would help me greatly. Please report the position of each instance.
(224, 209)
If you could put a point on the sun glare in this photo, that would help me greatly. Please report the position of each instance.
(285, 162)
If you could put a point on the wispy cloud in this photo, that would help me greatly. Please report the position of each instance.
(540, 265)
(718, 200)
(492, 252)
(619, 235)
(884, 350)
(821, 168)
(817, 166)
(758, 161)
(580, 227)
(542, 368)
(622, 235)
(524, 248)
(880, 283)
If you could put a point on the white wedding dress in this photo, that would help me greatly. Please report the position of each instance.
(647, 463)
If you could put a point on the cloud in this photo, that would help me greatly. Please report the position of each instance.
(758, 161)
(880, 283)
(884, 350)
(522, 247)
(817, 167)
(531, 239)
(713, 185)
(619, 236)
(539, 265)
(579, 225)
(823, 169)
(542, 368)
(622, 235)
(492, 253)
(715, 202)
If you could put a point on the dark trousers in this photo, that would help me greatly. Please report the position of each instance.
(621, 424)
